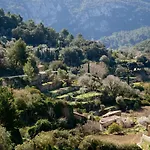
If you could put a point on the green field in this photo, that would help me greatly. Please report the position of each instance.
(64, 91)
(88, 95)
(69, 94)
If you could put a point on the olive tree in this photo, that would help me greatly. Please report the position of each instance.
(5, 141)
(115, 87)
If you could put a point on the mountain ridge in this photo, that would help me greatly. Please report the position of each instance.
(93, 19)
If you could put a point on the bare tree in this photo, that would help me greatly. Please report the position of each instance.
(89, 81)
(97, 69)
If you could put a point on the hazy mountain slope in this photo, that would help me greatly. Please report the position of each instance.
(93, 19)
(143, 46)
(126, 38)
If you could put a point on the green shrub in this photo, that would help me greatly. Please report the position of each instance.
(41, 125)
(63, 109)
(63, 123)
(136, 106)
(25, 146)
(39, 143)
(7, 109)
(65, 140)
(55, 65)
(132, 103)
(139, 87)
(129, 147)
(114, 128)
(32, 131)
(1, 80)
(121, 103)
(128, 103)
(5, 141)
(92, 143)
(145, 103)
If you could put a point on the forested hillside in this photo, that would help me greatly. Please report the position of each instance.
(143, 46)
(93, 19)
(126, 38)
(13, 26)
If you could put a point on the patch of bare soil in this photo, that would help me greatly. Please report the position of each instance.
(144, 111)
(121, 139)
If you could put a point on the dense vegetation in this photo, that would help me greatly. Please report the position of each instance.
(54, 88)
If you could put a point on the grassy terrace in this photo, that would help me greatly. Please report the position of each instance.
(141, 83)
(63, 91)
(127, 60)
(62, 96)
(73, 94)
(88, 95)
(75, 103)
(145, 142)
(145, 145)
(47, 83)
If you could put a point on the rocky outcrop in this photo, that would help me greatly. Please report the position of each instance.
(93, 19)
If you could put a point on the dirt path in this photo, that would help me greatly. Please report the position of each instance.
(145, 111)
